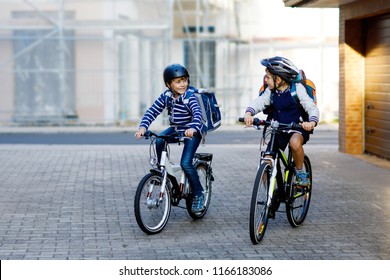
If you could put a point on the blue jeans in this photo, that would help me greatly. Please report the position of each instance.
(190, 147)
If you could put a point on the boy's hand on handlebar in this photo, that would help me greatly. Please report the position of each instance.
(189, 132)
(140, 133)
(248, 119)
(308, 126)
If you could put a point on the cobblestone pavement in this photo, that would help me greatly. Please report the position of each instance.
(76, 202)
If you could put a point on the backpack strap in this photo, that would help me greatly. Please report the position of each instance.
(186, 99)
(203, 127)
(168, 101)
(294, 93)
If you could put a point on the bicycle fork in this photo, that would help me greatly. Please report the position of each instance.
(152, 202)
(166, 169)
(273, 181)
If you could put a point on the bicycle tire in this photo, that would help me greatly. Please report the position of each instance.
(205, 180)
(259, 211)
(150, 217)
(298, 201)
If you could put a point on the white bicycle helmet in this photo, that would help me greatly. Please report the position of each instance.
(282, 67)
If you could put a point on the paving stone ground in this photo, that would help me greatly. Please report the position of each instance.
(76, 202)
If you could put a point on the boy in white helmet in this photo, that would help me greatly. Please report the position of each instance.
(280, 74)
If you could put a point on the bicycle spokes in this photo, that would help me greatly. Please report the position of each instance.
(298, 204)
(258, 218)
(151, 207)
(154, 202)
(261, 224)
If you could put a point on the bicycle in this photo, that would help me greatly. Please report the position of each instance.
(272, 187)
(160, 189)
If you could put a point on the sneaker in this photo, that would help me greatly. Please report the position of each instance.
(302, 178)
(198, 203)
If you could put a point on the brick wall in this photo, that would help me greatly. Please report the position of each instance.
(351, 86)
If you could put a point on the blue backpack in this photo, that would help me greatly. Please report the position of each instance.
(211, 114)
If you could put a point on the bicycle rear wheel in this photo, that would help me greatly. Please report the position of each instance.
(151, 211)
(299, 197)
(258, 218)
(205, 181)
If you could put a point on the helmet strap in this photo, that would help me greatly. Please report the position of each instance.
(280, 85)
(275, 86)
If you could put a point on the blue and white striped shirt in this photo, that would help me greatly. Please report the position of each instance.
(184, 112)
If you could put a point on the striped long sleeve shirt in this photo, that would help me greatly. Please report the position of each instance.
(184, 112)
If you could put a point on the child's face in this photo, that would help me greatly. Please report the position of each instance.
(179, 85)
(269, 78)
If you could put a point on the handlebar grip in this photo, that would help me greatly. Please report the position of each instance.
(295, 125)
(147, 134)
(256, 121)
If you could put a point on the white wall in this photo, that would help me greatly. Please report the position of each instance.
(308, 37)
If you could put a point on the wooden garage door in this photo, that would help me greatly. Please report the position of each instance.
(377, 86)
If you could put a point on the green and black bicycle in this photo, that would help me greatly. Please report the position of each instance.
(272, 187)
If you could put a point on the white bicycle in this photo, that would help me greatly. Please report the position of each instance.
(160, 189)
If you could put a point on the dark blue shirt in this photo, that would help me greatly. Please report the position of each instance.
(285, 109)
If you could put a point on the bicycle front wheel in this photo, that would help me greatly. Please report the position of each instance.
(151, 208)
(258, 218)
(299, 197)
(204, 174)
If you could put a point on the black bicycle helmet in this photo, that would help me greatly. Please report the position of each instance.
(175, 71)
(282, 67)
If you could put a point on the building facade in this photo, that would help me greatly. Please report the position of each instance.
(100, 62)
(364, 47)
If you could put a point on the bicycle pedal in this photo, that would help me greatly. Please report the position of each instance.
(175, 202)
(302, 190)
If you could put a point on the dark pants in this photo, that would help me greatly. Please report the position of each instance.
(282, 139)
(186, 162)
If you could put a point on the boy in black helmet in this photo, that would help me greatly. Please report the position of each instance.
(185, 117)
(280, 74)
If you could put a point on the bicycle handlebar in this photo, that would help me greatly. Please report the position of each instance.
(176, 136)
(274, 124)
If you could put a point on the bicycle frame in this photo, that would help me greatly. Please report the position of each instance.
(169, 168)
(286, 161)
(271, 188)
(276, 158)
(160, 189)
